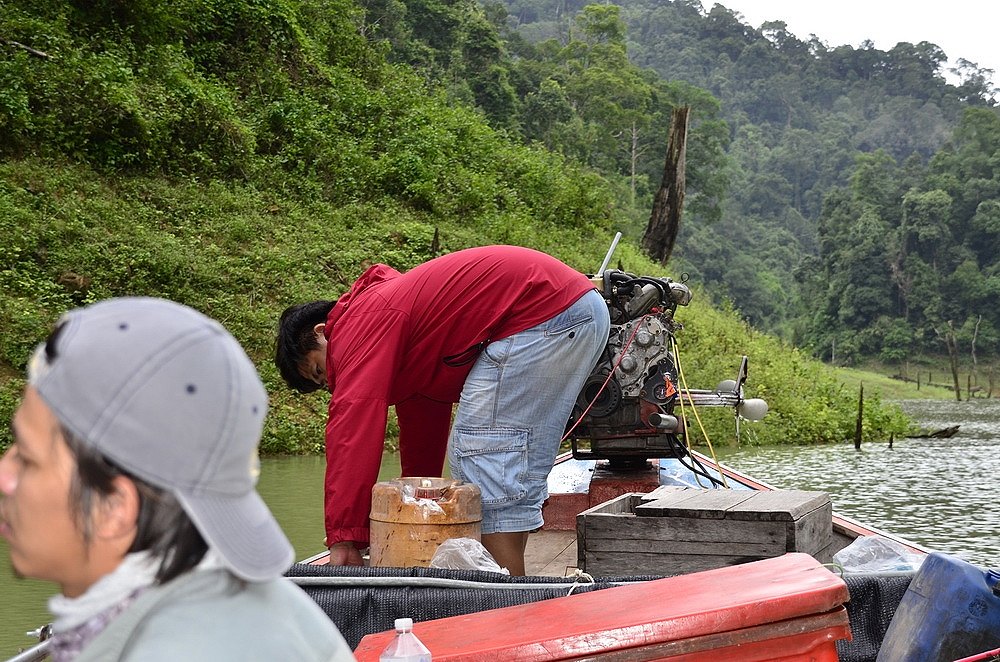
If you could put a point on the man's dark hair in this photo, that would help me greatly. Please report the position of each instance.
(296, 339)
(163, 527)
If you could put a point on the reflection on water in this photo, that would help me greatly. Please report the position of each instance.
(293, 490)
(939, 493)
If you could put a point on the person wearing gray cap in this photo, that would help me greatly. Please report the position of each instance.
(131, 484)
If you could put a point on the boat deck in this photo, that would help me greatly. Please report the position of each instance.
(551, 553)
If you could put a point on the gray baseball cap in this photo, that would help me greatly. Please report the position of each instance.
(169, 395)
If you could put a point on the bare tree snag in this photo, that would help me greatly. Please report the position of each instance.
(975, 365)
(665, 219)
(858, 426)
(952, 345)
(27, 49)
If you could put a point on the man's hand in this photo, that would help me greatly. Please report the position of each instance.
(345, 553)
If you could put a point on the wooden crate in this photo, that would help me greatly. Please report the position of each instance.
(677, 530)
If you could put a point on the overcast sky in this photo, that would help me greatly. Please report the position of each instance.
(968, 29)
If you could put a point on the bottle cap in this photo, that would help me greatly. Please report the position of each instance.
(404, 623)
(993, 580)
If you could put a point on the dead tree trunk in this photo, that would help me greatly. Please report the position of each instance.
(861, 415)
(975, 365)
(952, 345)
(665, 219)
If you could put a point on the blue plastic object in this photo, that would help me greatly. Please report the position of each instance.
(950, 610)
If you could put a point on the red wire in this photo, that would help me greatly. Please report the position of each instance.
(982, 657)
(621, 356)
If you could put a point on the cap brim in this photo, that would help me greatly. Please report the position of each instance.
(243, 532)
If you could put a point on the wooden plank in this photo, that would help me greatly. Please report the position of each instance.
(707, 504)
(825, 555)
(620, 505)
(610, 564)
(681, 529)
(662, 491)
(692, 547)
(778, 505)
(551, 553)
(666, 501)
(812, 532)
(618, 508)
(690, 529)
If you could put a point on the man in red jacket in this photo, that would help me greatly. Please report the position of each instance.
(508, 333)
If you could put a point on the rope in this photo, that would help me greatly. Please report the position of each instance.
(835, 568)
(611, 374)
(579, 575)
(441, 582)
(687, 440)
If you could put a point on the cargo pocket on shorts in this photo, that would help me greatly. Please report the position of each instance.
(566, 324)
(495, 459)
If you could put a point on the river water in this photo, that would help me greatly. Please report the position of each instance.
(938, 493)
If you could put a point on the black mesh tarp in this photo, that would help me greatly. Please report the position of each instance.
(359, 609)
(874, 598)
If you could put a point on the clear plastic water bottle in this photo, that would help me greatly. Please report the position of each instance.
(405, 647)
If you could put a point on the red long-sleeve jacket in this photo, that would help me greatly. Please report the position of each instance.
(410, 340)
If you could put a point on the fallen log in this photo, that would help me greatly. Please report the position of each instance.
(944, 433)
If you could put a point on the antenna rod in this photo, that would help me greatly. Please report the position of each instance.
(607, 258)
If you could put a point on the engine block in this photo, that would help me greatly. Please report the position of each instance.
(625, 411)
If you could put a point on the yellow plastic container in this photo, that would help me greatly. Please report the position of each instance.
(410, 517)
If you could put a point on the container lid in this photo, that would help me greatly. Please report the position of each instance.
(404, 624)
(772, 597)
(412, 500)
(427, 489)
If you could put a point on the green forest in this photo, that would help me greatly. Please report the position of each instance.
(845, 199)
(242, 155)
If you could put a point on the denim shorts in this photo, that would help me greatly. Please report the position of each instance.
(513, 411)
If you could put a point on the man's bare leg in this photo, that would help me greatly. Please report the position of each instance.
(507, 549)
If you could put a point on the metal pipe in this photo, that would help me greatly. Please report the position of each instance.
(607, 258)
(664, 421)
(33, 654)
(436, 582)
(710, 398)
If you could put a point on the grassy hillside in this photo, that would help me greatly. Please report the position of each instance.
(891, 388)
(241, 255)
(242, 156)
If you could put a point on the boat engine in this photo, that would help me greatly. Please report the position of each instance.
(625, 412)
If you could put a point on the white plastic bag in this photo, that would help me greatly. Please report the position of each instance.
(877, 553)
(427, 507)
(465, 554)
